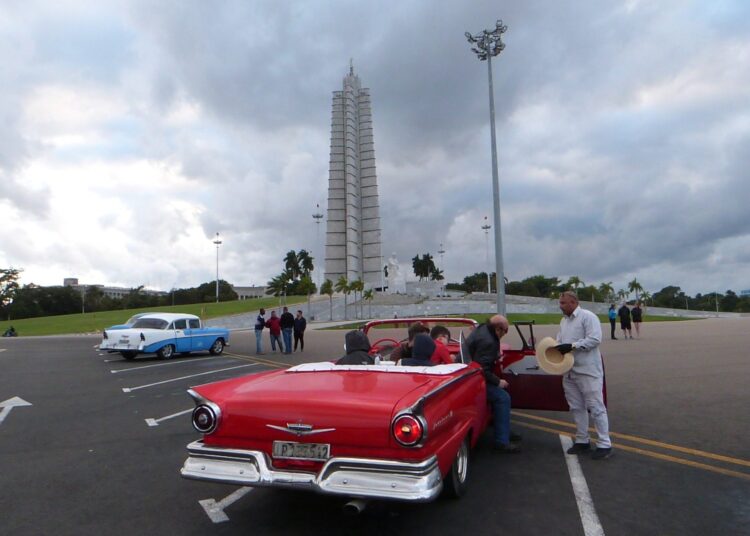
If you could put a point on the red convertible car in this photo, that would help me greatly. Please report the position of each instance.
(361, 431)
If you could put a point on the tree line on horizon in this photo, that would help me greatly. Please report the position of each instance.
(671, 296)
(32, 300)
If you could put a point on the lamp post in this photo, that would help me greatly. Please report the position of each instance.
(318, 217)
(486, 45)
(441, 251)
(486, 228)
(218, 243)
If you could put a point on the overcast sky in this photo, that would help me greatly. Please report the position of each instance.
(133, 131)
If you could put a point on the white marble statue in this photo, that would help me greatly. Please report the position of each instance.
(396, 280)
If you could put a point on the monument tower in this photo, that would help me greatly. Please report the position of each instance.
(353, 223)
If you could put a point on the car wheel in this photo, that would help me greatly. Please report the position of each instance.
(217, 347)
(456, 482)
(128, 354)
(166, 352)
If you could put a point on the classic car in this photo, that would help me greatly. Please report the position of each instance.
(361, 431)
(129, 322)
(164, 334)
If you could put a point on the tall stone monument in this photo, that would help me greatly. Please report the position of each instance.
(353, 247)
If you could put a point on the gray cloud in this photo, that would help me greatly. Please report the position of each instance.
(622, 129)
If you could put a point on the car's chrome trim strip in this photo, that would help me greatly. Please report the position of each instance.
(351, 477)
(289, 428)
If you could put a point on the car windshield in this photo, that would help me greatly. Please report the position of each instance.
(150, 323)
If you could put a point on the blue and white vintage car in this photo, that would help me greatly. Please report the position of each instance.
(164, 334)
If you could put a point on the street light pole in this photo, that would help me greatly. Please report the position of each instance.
(441, 251)
(486, 45)
(486, 228)
(218, 243)
(318, 216)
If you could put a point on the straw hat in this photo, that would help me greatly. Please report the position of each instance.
(551, 360)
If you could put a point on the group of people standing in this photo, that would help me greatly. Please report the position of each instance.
(286, 326)
(626, 314)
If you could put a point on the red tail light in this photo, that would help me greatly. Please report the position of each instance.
(408, 430)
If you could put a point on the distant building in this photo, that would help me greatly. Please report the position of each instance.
(116, 293)
(745, 292)
(248, 293)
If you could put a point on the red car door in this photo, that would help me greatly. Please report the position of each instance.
(529, 386)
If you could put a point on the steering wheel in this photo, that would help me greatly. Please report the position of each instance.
(376, 347)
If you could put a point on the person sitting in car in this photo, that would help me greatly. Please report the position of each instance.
(441, 335)
(357, 347)
(421, 352)
(403, 350)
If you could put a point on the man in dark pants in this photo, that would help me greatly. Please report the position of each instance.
(300, 323)
(484, 348)
(287, 327)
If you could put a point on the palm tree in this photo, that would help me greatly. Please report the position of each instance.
(621, 294)
(291, 264)
(369, 295)
(607, 290)
(437, 275)
(574, 282)
(327, 289)
(305, 262)
(357, 286)
(645, 296)
(342, 285)
(635, 286)
(278, 286)
(306, 286)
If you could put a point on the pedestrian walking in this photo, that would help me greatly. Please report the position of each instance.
(300, 324)
(260, 323)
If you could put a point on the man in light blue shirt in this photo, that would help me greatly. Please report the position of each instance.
(581, 333)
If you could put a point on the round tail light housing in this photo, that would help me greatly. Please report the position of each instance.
(205, 419)
(407, 429)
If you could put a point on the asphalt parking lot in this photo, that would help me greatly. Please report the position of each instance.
(91, 443)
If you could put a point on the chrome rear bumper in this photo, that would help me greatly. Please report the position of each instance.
(352, 477)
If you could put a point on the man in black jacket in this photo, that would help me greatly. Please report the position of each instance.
(287, 327)
(484, 348)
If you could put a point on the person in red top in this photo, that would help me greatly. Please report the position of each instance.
(441, 335)
(274, 326)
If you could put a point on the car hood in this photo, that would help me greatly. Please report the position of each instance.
(351, 406)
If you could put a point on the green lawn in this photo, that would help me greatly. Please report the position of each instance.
(540, 319)
(93, 322)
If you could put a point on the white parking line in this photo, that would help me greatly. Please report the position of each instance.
(3, 349)
(589, 519)
(129, 389)
(155, 422)
(215, 510)
(193, 360)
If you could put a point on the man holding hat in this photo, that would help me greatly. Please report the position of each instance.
(581, 334)
(484, 348)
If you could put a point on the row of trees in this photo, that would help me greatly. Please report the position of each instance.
(551, 287)
(32, 300)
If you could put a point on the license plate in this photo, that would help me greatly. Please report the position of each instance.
(301, 451)
(124, 341)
